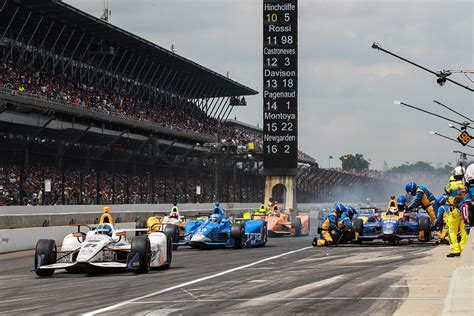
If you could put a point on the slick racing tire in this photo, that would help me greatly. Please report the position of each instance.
(172, 231)
(45, 249)
(264, 236)
(141, 245)
(470, 213)
(169, 252)
(424, 225)
(237, 233)
(358, 227)
(296, 225)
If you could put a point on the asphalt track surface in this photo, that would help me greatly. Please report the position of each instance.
(285, 277)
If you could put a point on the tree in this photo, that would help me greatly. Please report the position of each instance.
(355, 162)
(421, 166)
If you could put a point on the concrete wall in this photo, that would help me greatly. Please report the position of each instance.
(26, 238)
(12, 217)
(460, 299)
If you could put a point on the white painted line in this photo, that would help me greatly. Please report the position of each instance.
(111, 307)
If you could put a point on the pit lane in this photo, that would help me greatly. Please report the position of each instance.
(345, 279)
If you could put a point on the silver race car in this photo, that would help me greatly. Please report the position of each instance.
(104, 248)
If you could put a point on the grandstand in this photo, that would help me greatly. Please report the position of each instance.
(92, 114)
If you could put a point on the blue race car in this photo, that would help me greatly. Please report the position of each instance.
(391, 226)
(219, 230)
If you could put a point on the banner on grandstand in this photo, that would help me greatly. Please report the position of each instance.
(280, 86)
(47, 185)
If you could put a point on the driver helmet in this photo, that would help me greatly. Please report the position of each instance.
(339, 208)
(411, 187)
(215, 218)
(392, 211)
(104, 229)
(174, 212)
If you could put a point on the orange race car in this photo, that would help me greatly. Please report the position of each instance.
(281, 223)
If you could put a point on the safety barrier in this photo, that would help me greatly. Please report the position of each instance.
(460, 299)
(22, 226)
(12, 217)
(26, 238)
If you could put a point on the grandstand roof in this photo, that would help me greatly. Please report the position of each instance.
(112, 36)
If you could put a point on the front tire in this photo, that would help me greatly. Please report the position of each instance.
(172, 231)
(358, 227)
(424, 225)
(470, 213)
(45, 253)
(141, 245)
(237, 233)
(296, 225)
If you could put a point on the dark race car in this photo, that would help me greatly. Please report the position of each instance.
(391, 226)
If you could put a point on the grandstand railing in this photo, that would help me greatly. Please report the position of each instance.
(68, 107)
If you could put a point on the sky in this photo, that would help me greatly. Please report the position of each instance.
(346, 88)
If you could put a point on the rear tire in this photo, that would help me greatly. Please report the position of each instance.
(237, 233)
(169, 252)
(45, 249)
(141, 245)
(424, 225)
(296, 225)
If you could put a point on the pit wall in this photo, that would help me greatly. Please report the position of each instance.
(26, 238)
(12, 217)
(22, 226)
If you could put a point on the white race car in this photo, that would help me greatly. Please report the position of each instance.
(104, 247)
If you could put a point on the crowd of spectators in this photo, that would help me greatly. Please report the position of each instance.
(374, 174)
(28, 187)
(22, 79)
(241, 137)
(76, 93)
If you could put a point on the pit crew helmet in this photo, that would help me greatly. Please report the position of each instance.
(469, 175)
(411, 187)
(458, 172)
(441, 200)
(339, 208)
(402, 200)
(350, 211)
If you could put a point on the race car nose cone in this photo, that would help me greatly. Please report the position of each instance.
(200, 238)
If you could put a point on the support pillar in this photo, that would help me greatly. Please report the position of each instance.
(289, 182)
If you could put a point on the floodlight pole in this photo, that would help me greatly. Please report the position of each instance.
(437, 74)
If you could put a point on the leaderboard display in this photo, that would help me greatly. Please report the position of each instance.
(280, 85)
